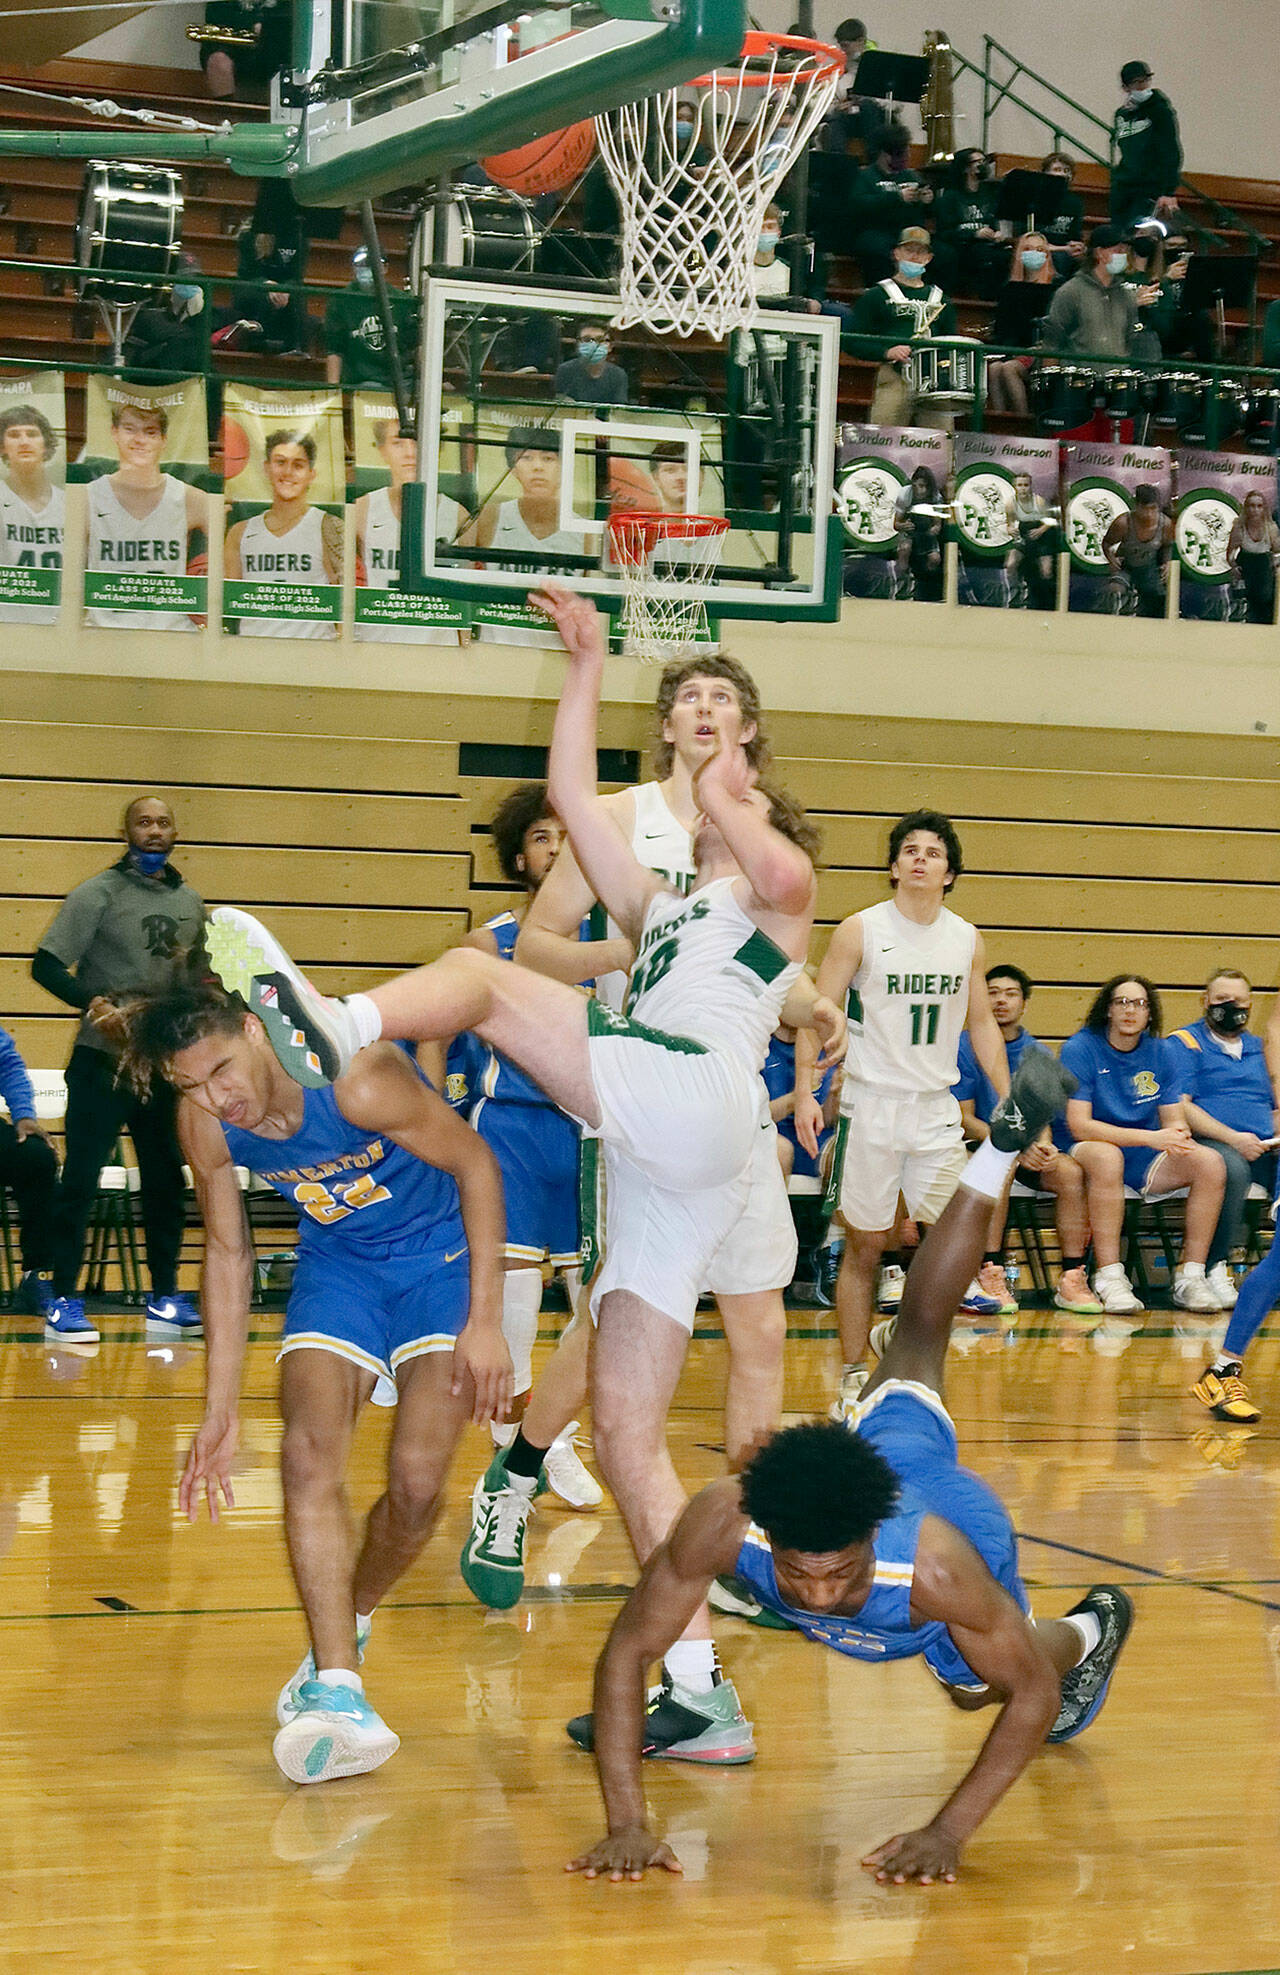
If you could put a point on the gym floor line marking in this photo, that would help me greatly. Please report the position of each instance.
(1213, 1586)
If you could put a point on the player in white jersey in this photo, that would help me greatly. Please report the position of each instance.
(378, 538)
(289, 543)
(142, 519)
(528, 523)
(679, 1146)
(33, 511)
(914, 974)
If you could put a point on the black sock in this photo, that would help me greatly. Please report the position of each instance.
(523, 1457)
(891, 1258)
(1070, 1262)
(995, 1255)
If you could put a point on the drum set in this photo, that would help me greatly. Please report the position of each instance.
(1066, 396)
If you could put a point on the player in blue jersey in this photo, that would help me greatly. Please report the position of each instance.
(875, 1542)
(1130, 1130)
(397, 1293)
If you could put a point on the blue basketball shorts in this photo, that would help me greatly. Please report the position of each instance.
(536, 1148)
(378, 1308)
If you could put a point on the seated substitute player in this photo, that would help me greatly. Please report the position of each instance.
(397, 1291)
(1222, 1388)
(1046, 1165)
(672, 1089)
(877, 1543)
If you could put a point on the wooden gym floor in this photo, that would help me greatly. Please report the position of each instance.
(145, 1830)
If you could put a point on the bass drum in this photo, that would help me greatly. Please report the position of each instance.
(495, 231)
(130, 223)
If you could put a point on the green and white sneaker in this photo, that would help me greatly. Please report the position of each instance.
(287, 1701)
(312, 1035)
(492, 1560)
(334, 1733)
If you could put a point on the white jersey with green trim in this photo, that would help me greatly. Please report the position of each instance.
(31, 538)
(288, 560)
(705, 970)
(662, 844)
(122, 542)
(908, 1001)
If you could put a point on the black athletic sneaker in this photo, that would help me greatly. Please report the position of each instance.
(683, 1727)
(1039, 1089)
(1085, 1688)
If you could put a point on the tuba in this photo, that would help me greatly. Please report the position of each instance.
(937, 105)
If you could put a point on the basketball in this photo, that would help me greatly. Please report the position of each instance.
(631, 487)
(546, 164)
(235, 448)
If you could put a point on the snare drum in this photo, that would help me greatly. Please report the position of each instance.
(1123, 392)
(488, 228)
(1063, 398)
(130, 222)
(946, 372)
(1262, 419)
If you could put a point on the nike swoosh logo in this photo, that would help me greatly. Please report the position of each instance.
(457, 1255)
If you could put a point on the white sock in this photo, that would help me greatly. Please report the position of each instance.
(1189, 1269)
(365, 1017)
(692, 1664)
(1086, 1624)
(340, 1676)
(364, 1618)
(988, 1170)
(521, 1304)
(524, 1484)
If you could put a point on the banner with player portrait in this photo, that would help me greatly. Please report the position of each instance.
(1118, 527)
(1225, 536)
(147, 542)
(384, 463)
(1005, 509)
(891, 495)
(33, 498)
(285, 472)
(519, 478)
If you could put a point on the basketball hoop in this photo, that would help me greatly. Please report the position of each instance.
(661, 558)
(692, 202)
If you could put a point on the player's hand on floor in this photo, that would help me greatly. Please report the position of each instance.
(209, 1465)
(482, 1351)
(927, 1855)
(625, 1855)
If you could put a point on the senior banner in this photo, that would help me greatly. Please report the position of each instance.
(1118, 527)
(285, 472)
(891, 491)
(147, 544)
(33, 498)
(1224, 535)
(384, 463)
(1005, 509)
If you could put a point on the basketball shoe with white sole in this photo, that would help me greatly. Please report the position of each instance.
(334, 1733)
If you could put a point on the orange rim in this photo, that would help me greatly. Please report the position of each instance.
(758, 46)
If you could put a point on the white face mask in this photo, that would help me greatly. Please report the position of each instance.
(1117, 263)
(1137, 96)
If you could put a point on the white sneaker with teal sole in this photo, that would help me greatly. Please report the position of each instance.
(287, 1701)
(312, 1035)
(334, 1733)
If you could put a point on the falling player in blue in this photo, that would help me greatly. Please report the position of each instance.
(397, 1297)
(872, 1539)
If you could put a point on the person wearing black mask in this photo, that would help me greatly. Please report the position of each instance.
(1229, 1105)
(970, 257)
(887, 196)
(1148, 150)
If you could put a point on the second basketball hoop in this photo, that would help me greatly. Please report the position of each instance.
(693, 188)
(660, 556)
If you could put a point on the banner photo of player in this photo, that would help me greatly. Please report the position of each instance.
(1118, 529)
(33, 498)
(285, 470)
(518, 472)
(891, 495)
(1005, 508)
(384, 462)
(147, 528)
(1225, 536)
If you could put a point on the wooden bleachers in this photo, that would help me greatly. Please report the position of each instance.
(344, 818)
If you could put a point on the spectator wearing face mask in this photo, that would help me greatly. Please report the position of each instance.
(970, 256)
(169, 335)
(1148, 150)
(266, 312)
(1020, 311)
(1094, 314)
(1228, 1101)
(1163, 254)
(905, 308)
(852, 118)
(587, 376)
(357, 356)
(886, 197)
(1064, 227)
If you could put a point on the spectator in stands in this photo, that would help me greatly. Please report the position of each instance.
(852, 119)
(266, 313)
(1148, 150)
(234, 65)
(357, 356)
(29, 1168)
(1158, 298)
(1137, 546)
(1129, 1130)
(1093, 314)
(887, 196)
(1063, 229)
(125, 931)
(1253, 556)
(894, 314)
(1163, 251)
(1019, 317)
(169, 335)
(1227, 1095)
(970, 256)
(1046, 1166)
(587, 376)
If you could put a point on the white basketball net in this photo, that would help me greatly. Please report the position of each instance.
(660, 618)
(692, 203)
